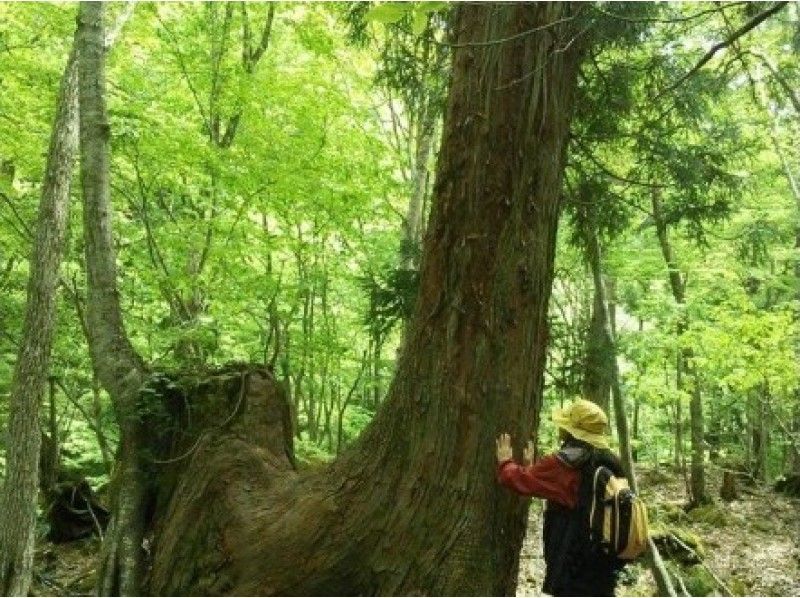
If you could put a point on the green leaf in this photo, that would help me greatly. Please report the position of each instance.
(428, 7)
(388, 13)
(420, 22)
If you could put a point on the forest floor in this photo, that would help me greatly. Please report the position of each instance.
(752, 545)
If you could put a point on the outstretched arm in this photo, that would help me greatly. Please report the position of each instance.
(549, 478)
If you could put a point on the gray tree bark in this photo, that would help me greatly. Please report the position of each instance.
(413, 228)
(18, 499)
(118, 367)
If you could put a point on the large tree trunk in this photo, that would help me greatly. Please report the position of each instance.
(18, 499)
(118, 367)
(413, 506)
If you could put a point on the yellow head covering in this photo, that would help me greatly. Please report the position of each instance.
(585, 421)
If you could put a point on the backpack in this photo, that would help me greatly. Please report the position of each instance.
(617, 517)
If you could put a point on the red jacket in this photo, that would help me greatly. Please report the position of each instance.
(548, 478)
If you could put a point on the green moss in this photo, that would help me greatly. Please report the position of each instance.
(699, 581)
(691, 539)
(710, 514)
(673, 513)
(665, 538)
(763, 525)
(739, 586)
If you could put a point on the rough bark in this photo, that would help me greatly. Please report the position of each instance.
(18, 499)
(118, 367)
(412, 507)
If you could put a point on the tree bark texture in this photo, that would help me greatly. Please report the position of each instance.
(18, 499)
(412, 507)
(118, 367)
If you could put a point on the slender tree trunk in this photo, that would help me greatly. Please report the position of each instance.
(424, 148)
(608, 360)
(761, 98)
(685, 369)
(698, 445)
(596, 380)
(594, 255)
(611, 296)
(756, 440)
(678, 415)
(635, 435)
(761, 433)
(50, 455)
(118, 367)
(221, 132)
(714, 434)
(794, 441)
(18, 498)
(794, 465)
(413, 506)
(765, 434)
(97, 425)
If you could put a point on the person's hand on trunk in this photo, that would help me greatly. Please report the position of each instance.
(504, 452)
(527, 454)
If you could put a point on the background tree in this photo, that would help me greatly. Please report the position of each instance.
(32, 369)
(119, 368)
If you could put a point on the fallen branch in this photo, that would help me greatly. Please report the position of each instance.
(691, 551)
(659, 569)
(682, 585)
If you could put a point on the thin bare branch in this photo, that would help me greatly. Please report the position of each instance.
(511, 38)
(690, 17)
(747, 27)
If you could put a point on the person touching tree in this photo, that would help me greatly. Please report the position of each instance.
(573, 567)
